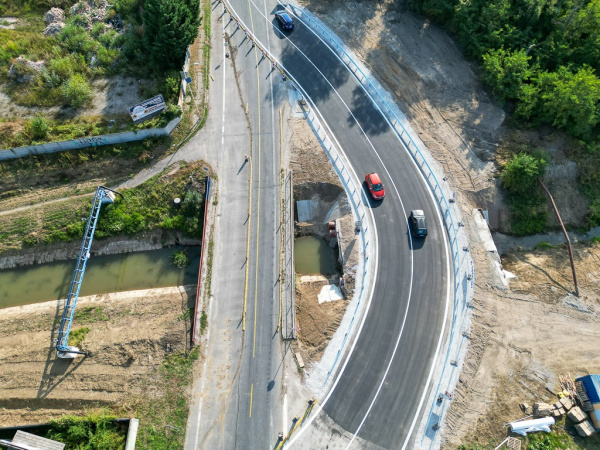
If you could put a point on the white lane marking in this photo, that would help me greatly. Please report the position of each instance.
(404, 211)
(224, 68)
(441, 223)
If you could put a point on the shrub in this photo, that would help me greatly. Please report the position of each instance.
(528, 212)
(76, 91)
(522, 171)
(98, 29)
(66, 66)
(171, 87)
(73, 37)
(39, 127)
(171, 112)
(180, 259)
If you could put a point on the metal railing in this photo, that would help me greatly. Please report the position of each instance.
(391, 112)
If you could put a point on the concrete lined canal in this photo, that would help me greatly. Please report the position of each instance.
(104, 274)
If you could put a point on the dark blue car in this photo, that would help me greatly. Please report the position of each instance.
(285, 20)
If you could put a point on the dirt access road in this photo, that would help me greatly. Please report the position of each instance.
(524, 336)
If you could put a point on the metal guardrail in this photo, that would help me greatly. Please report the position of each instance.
(391, 113)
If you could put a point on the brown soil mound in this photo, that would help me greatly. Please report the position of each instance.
(317, 323)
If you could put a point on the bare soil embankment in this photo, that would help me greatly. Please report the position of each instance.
(130, 335)
(315, 179)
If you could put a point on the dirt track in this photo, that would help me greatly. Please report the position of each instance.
(130, 335)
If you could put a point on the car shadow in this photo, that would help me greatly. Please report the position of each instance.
(415, 243)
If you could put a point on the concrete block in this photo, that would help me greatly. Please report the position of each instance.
(584, 429)
(567, 403)
(576, 415)
(542, 409)
(300, 360)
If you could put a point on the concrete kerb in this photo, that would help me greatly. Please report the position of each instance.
(463, 273)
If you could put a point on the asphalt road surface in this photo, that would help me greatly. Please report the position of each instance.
(379, 394)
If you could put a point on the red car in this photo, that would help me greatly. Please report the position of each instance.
(375, 186)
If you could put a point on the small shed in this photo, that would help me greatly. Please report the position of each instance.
(588, 389)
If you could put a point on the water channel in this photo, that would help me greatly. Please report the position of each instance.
(312, 256)
(103, 274)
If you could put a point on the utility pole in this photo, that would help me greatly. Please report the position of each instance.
(566, 236)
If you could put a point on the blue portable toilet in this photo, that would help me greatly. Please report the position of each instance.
(588, 389)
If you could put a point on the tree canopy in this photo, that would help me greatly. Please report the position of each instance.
(522, 171)
(169, 27)
(543, 56)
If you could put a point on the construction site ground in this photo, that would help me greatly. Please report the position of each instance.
(316, 323)
(130, 335)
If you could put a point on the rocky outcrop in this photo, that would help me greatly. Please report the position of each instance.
(54, 15)
(24, 70)
(53, 28)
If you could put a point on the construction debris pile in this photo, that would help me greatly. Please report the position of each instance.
(571, 396)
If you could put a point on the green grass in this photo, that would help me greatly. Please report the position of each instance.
(146, 207)
(77, 336)
(542, 245)
(94, 431)
(91, 314)
(203, 321)
(163, 417)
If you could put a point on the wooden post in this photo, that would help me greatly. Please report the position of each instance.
(566, 236)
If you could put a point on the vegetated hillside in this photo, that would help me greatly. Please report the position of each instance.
(88, 58)
(541, 60)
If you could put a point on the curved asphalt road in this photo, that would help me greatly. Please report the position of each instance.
(379, 393)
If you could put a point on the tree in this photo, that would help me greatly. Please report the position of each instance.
(505, 71)
(169, 27)
(522, 171)
(572, 100)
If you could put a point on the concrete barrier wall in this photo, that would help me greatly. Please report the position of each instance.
(93, 141)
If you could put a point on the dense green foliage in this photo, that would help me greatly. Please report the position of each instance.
(169, 27)
(149, 206)
(180, 258)
(541, 56)
(95, 431)
(525, 199)
(522, 171)
(146, 207)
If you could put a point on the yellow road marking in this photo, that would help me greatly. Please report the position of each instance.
(258, 200)
(251, 391)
